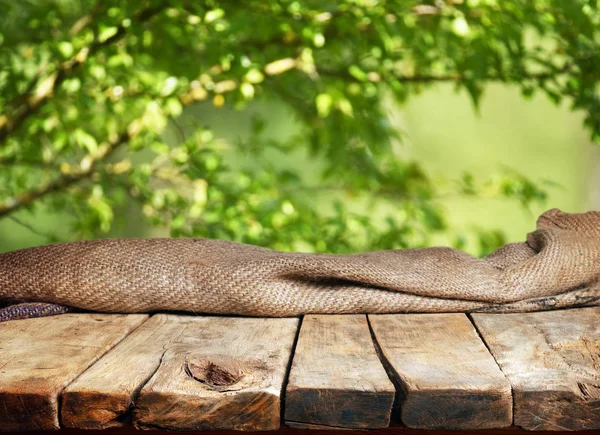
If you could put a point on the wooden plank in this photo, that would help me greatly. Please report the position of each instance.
(40, 357)
(103, 396)
(552, 360)
(336, 379)
(218, 373)
(446, 377)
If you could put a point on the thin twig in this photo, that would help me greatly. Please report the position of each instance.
(64, 181)
(26, 198)
(33, 230)
(178, 129)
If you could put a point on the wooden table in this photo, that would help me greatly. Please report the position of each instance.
(400, 373)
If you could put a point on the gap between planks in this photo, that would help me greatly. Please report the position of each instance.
(482, 338)
(552, 360)
(445, 376)
(61, 348)
(86, 411)
(537, 421)
(336, 379)
(287, 372)
(192, 373)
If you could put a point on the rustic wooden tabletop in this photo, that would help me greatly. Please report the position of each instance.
(393, 429)
(401, 373)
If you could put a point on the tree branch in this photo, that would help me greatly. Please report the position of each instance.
(77, 27)
(431, 78)
(90, 163)
(32, 101)
(66, 180)
(49, 237)
(14, 161)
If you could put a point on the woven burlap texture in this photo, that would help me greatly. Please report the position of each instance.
(557, 267)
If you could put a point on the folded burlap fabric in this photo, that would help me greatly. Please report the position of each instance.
(557, 267)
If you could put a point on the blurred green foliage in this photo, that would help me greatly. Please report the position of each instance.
(93, 96)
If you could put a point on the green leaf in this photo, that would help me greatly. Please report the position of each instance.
(106, 33)
(65, 48)
(214, 15)
(324, 102)
(85, 140)
(358, 73)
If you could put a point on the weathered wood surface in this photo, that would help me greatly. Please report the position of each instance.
(336, 379)
(217, 373)
(40, 357)
(187, 372)
(445, 376)
(552, 360)
(103, 396)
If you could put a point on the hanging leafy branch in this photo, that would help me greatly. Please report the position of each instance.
(91, 89)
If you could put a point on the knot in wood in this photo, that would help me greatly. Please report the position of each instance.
(215, 376)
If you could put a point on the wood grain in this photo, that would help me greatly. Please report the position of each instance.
(103, 396)
(552, 360)
(219, 373)
(446, 377)
(336, 379)
(393, 429)
(40, 357)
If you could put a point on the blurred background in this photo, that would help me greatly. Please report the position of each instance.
(310, 126)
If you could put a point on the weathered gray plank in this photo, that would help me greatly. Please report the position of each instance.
(446, 377)
(218, 373)
(336, 379)
(552, 360)
(40, 357)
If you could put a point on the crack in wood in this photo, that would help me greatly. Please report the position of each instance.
(393, 375)
(589, 391)
(314, 425)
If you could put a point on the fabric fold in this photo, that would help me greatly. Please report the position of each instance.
(556, 267)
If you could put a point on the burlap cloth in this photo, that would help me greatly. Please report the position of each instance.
(557, 267)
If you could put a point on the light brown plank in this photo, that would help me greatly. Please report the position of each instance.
(40, 357)
(552, 360)
(103, 396)
(336, 379)
(446, 377)
(219, 373)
